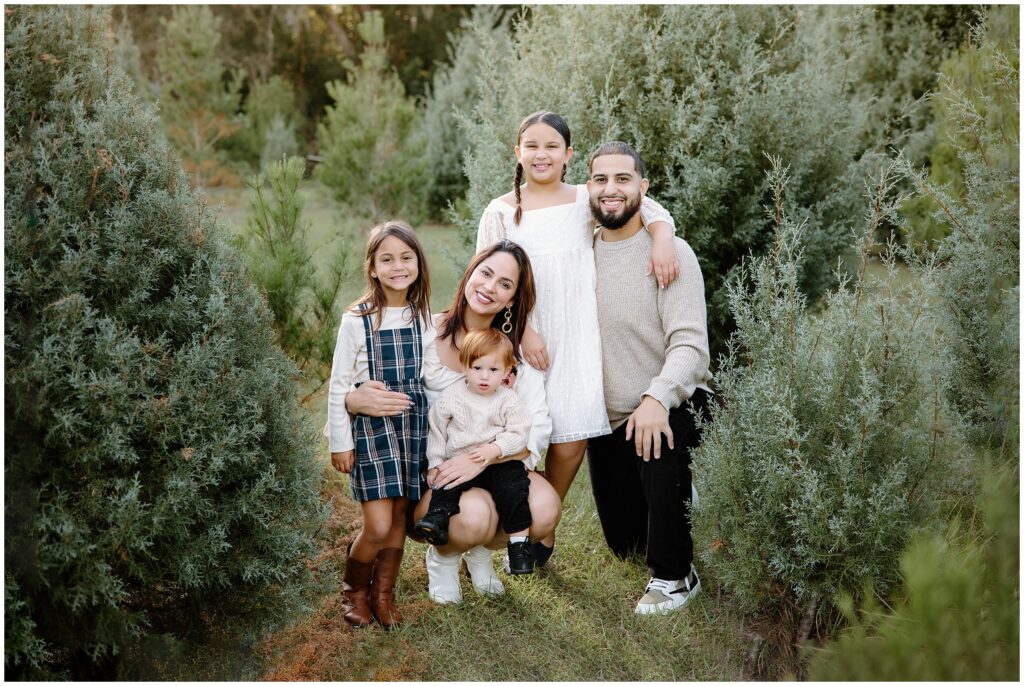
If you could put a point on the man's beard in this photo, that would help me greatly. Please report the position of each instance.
(615, 221)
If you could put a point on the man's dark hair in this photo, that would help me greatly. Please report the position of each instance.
(619, 148)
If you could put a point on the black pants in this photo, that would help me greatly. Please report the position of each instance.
(509, 487)
(644, 506)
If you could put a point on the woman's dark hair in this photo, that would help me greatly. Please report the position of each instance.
(542, 117)
(418, 294)
(522, 302)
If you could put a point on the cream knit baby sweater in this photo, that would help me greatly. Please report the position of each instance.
(461, 420)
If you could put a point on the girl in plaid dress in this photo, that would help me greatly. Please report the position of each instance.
(383, 337)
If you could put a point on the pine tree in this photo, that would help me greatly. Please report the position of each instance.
(160, 476)
(825, 446)
(275, 241)
(369, 138)
(199, 109)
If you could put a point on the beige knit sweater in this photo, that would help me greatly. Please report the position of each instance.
(461, 420)
(654, 341)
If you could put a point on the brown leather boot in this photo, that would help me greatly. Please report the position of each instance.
(382, 589)
(356, 589)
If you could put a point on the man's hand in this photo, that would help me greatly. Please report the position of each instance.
(343, 461)
(483, 454)
(646, 426)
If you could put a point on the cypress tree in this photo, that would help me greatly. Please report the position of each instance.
(160, 476)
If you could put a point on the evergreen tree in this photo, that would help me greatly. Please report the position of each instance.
(197, 106)
(975, 274)
(702, 111)
(160, 476)
(958, 618)
(270, 114)
(372, 153)
(303, 305)
(450, 100)
(823, 452)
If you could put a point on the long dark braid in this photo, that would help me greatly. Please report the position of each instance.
(558, 124)
(518, 179)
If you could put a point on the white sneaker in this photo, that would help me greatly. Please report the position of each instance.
(663, 595)
(443, 577)
(481, 571)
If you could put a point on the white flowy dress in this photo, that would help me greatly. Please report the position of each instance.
(559, 241)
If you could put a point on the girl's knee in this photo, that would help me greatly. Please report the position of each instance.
(545, 505)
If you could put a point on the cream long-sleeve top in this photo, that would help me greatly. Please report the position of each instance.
(461, 420)
(529, 385)
(654, 340)
(351, 367)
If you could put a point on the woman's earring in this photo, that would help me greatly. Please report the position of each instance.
(507, 326)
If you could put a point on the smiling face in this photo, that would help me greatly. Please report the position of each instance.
(543, 153)
(395, 267)
(616, 188)
(492, 285)
(484, 374)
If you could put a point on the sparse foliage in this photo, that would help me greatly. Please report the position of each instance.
(303, 304)
(369, 138)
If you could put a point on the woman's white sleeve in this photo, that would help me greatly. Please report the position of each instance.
(436, 376)
(651, 211)
(530, 388)
(350, 340)
(491, 229)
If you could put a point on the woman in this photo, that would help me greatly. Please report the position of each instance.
(496, 291)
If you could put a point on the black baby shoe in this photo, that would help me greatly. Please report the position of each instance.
(520, 558)
(433, 527)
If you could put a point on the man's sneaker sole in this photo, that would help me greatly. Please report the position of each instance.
(432, 534)
(668, 605)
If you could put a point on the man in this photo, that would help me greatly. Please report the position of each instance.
(654, 344)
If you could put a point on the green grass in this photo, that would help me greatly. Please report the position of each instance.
(573, 620)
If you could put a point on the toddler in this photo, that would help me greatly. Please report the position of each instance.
(485, 419)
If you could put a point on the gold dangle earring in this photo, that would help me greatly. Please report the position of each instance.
(507, 326)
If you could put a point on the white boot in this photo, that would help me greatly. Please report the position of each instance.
(443, 577)
(481, 571)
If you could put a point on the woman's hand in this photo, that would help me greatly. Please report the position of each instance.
(343, 461)
(534, 350)
(457, 470)
(373, 399)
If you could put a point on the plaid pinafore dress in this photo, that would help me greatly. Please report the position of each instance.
(390, 452)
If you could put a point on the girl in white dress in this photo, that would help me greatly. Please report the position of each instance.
(552, 221)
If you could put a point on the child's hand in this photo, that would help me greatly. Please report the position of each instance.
(534, 350)
(343, 461)
(485, 453)
(431, 476)
(663, 261)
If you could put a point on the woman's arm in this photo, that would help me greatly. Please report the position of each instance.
(530, 389)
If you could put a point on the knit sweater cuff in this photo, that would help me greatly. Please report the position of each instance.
(510, 444)
(670, 395)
